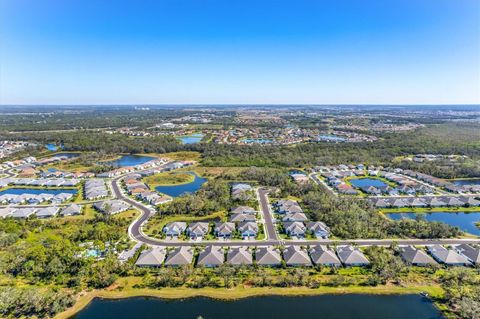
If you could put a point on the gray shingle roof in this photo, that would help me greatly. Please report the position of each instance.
(239, 256)
(268, 256)
(296, 256)
(415, 256)
(321, 255)
(180, 256)
(211, 256)
(152, 258)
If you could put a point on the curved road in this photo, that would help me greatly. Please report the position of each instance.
(136, 233)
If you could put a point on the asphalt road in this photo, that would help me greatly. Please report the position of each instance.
(272, 236)
(267, 216)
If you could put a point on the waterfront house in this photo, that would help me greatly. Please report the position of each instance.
(174, 229)
(151, 258)
(224, 229)
(318, 229)
(239, 256)
(296, 256)
(268, 256)
(321, 255)
(351, 256)
(471, 253)
(415, 257)
(211, 256)
(197, 230)
(6, 212)
(447, 256)
(180, 256)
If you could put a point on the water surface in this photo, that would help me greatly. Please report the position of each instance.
(367, 182)
(191, 139)
(36, 191)
(464, 221)
(461, 182)
(177, 190)
(130, 160)
(331, 138)
(278, 307)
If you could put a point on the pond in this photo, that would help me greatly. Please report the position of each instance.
(464, 221)
(367, 182)
(177, 190)
(51, 147)
(331, 138)
(278, 307)
(191, 139)
(130, 160)
(36, 191)
(462, 182)
(67, 155)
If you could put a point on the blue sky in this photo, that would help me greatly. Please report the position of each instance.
(209, 51)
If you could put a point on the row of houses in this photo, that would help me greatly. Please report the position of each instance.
(438, 182)
(135, 187)
(155, 162)
(458, 255)
(44, 212)
(214, 256)
(95, 189)
(34, 199)
(431, 201)
(111, 207)
(65, 174)
(46, 182)
(295, 223)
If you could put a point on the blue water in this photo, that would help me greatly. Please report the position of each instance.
(461, 182)
(257, 140)
(464, 221)
(26, 190)
(67, 155)
(367, 182)
(348, 306)
(51, 147)
(333, 138)
(191, 139)
(177, 190)
(130, 160)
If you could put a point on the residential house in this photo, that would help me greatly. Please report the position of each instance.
(471, 253)
(415, 257)
(268, 256)
(239, 256)
(351, 256)
(151, 258)
(174, 229)
(294, 229)
(180, 256)
(296, 256)
(241, 217)
(211, 256)
(318, 229)
(321, 255)
(71, 210)
(447, 256)
(248, 229)
(46, 212)
(224, 229)
(294, 217)
(23, 212)
(197, 229)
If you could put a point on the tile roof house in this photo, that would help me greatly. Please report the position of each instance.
(469, 252)
(268, 256)
(174, 229)
(248, 229)
(296, 256)
(416, 257)
(294, 217)
(321, 255)
(239, 256)
(180, 256)
(294, 229)
(224, 229)
(47, 212)
(243, 209)
(447, 256)
(23, 212)
(351, 256)
(151, 258)
(72, 209)
(318, 229)
(241, 217)
(197, 229)
(211, 256)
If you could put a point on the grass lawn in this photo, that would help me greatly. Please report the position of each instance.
(168, 178)
(182, 156)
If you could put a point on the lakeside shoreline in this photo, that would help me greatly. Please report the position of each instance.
(236, 293)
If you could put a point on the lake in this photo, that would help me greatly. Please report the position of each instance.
(191, 139)
(130, 160)
(464, 221)
(331, 138)
(367, 182)
(51, 147)
(35, 191)
(278, 307)
(177, 190)
(67, 155)
(461, 182)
